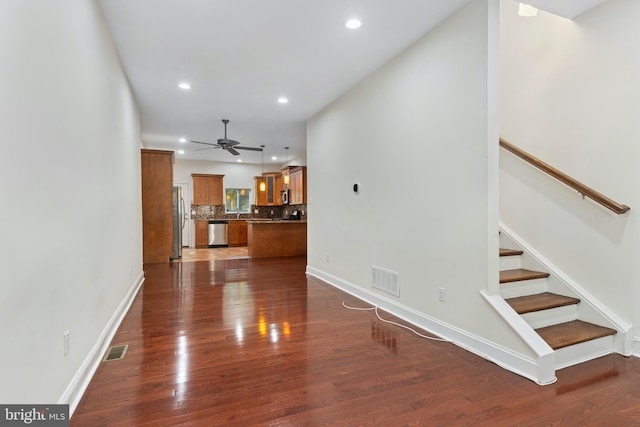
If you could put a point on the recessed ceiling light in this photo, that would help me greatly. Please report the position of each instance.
(239, 160)
(184, 85)
(274, 158)
(183, 140)
(283, 100)
(180, 151)
(353, 24)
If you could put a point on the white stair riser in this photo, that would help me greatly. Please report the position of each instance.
(522, 288)
(510, 262)
(578, 353)
(551, 316)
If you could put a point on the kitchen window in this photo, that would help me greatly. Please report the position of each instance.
(237, 200)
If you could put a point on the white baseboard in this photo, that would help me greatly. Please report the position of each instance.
(82, 378)
(501, 356)
(636, 347)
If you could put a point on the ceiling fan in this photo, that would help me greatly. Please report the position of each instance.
(227, 144)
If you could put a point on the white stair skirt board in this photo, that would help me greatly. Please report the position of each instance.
(522, 288)
(551, 316)
(588, 350)
(511, 262)
(540, 371)
(545, 354)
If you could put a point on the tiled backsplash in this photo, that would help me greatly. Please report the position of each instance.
(208, 212)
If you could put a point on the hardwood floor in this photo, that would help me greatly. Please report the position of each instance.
(212, 254)
(242, 342)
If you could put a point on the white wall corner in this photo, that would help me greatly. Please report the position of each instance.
(83, 376)
(540, 371)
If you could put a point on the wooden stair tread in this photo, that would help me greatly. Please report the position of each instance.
(538, 302)
(510, 252)
(574, 332)
(507, 276)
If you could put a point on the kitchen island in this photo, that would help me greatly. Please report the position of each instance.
(274, 238)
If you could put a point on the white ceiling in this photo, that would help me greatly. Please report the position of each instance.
(241, 55)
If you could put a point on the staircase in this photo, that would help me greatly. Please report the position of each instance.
(556, 318)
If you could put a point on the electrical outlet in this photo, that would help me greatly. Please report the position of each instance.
(65, 339)
(442, 294)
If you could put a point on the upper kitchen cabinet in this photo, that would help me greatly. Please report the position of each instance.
(273, 185)
(208, 189)
(157, 209)
(298, 185)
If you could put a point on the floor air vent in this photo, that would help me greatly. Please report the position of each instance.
(385, 280)
(115, 353)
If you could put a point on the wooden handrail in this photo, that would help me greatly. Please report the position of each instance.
(562, 177)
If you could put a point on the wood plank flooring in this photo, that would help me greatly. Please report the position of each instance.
(242, 342)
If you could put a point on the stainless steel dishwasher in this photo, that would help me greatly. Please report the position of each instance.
(218, 234)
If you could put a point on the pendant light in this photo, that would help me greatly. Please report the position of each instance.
(286, 165)
(263, 185)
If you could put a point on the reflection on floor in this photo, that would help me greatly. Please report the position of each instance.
(212, 254)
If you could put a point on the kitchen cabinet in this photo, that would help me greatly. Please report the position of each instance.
(273, 185)
(157, 208)
(298, 185)
(277, 238)
(208, 189)
(202, 234)
(237, 233)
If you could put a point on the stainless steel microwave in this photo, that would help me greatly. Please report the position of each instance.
(284, 197)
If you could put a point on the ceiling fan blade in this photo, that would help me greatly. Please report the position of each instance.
(205, 143)
(248, 148)
(232, 151)
(208, 148)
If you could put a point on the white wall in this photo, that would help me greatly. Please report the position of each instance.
(420, 136)
(236, 175)
(71, 213)
(570, 95)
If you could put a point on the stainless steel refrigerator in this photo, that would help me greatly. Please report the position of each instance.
(178, 222)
